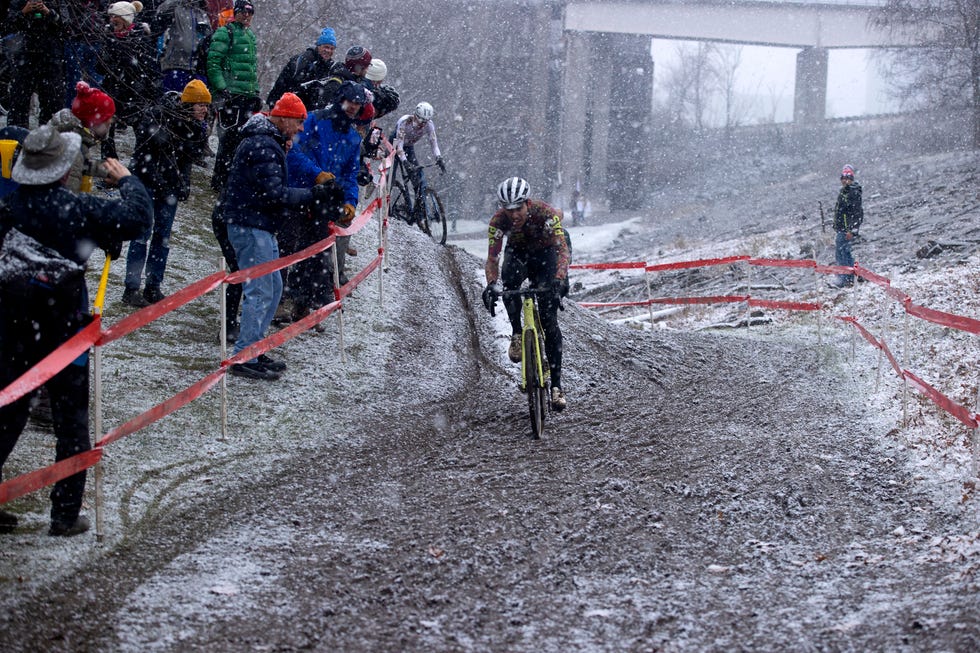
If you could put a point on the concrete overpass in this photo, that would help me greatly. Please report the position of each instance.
(593, 31)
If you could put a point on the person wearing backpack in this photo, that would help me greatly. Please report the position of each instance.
(38, 317)
(304, 69)
(186, 29)
(233, 79)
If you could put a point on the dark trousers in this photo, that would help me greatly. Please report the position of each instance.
(233, 117)
(30, 329)
(233, 291)
(309, 283)
(42, 75)
(539, 267)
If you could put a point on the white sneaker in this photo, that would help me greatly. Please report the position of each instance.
(514, 351)
(558, 401)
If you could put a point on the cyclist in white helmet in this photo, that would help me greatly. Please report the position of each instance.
(409, 130)
(537, 250)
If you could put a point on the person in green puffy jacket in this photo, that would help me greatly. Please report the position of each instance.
(233, 78)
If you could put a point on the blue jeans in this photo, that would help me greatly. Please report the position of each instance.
(842, 255)
(159, 250)
(260, 296)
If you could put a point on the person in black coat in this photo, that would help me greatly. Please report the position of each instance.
(37, 319)
(130, 69)
(37, 64)
(848, 216)
(303, 71)
(169, 139)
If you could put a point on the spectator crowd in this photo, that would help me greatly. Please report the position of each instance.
(175, 72)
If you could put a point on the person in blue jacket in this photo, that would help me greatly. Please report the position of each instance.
(327, 152)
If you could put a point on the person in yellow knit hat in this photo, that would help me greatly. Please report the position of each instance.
(168, 141)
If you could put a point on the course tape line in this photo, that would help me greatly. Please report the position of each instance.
(162, 409)
(626, 265)
(53, 363)
(941, 400)
(145, 315)
(956, 410)
(27, 483)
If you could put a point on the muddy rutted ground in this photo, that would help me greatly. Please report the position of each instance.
(701, 493)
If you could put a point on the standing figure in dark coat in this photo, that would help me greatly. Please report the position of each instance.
(169, 139)
(37, 65)
(129, 64)
(37, 319)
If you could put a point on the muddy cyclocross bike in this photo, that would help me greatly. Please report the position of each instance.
(411, 204)
(535, 373)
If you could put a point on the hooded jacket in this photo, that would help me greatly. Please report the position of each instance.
(849, 210)
(168, 140)
(258, 194)
(328, 143)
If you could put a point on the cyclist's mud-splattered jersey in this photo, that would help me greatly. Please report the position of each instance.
(541, 230)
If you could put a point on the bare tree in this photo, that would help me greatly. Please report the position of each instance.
(945, 70)
(691, 83)
(727, 60)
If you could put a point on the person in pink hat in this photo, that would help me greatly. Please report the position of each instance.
(848, 216)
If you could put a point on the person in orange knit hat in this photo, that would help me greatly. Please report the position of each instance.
(255, 204)
(169, 138)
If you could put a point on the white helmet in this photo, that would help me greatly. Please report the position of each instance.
(424, 111)
(376, 71)
(513, 192)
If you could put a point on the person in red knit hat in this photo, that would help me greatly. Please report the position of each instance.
(90, 116)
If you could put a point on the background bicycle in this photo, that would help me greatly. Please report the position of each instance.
(411, 204)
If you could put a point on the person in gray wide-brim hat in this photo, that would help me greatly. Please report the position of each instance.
(46, 156)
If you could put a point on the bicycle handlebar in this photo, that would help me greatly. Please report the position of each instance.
(529, 291)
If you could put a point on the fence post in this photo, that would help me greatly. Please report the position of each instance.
(98, 472)
(646, 278)
(223, 337)
(816, 290)
(340, 313)
(975, 435)
(748, 295)
(382, 242)
(905, 380)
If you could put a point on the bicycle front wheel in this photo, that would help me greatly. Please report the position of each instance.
(400, 203)
(537, 394)
(434, 221)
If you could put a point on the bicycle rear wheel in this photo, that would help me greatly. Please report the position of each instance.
(434, 220)
(537, 394)
(400, 202)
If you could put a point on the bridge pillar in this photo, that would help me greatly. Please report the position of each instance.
(810, 104)
(606, 101)
(574, 112)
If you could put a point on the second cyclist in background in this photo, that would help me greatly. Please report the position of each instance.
(536, 250)
(408, 131)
